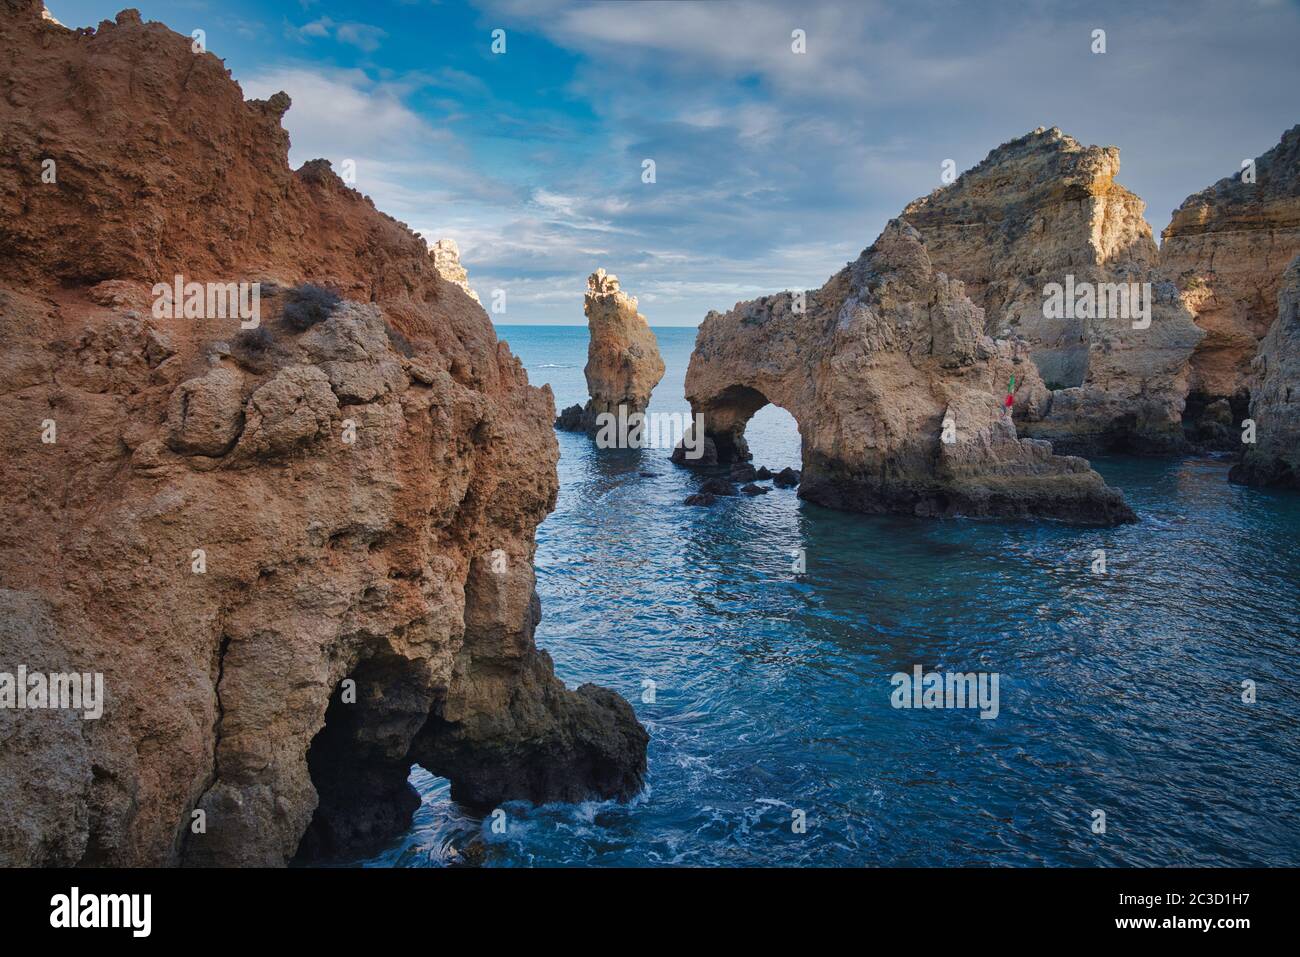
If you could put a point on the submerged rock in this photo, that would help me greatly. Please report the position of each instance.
(302, 558)
(752, 490)
(1274, 458)
(898, 394)
(707, 459)
(786, 478)
(718, 486)
(700, 498)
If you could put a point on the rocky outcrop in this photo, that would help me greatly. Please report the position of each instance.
(898, 394)
(1227, 247)
(623, 361)
(1045, 211)
(446, 259)
(300, 553)
(1274, 457)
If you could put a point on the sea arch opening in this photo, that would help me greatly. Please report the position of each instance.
(742, 422)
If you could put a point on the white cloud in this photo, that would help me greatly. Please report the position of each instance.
(773, 168)
(360, 35)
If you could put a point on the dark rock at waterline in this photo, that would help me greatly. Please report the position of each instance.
(700, 498)
(358, 812)
(1274, 473)
(752, 489)
(648, 474)
(786, 478)
(743, 472)
(583, 744)
(762, 473)
(1210, 424)
(707, 459)
(571, 420)
(718, 486)
(472, 854)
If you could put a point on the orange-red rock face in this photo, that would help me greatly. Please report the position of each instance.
(229, 524)
(1227, 248)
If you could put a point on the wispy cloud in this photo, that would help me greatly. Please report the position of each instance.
(772, 168)
(363, 36)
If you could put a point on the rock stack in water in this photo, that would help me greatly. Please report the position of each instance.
(623, 361)
(898, 393)
(297, 543)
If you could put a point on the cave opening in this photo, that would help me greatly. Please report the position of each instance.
(359, 761)
(1213, 422)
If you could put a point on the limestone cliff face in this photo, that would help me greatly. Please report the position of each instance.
(1041, 210)
(301, 553)
(446, 259)
(623, 361)
(898, 392)
(1227, 247)
(1274, 458)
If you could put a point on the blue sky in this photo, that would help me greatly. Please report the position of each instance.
(772, 169)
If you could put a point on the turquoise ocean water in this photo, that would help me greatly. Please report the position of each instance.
(1119, 693)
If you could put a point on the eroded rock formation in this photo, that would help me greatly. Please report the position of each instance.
(1274, 458)
(446, 259)
(300, 553)
(1227, 247)
(1041, 210)
(623, 361)
(898, 393)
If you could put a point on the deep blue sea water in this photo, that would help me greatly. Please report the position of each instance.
(1119, 692)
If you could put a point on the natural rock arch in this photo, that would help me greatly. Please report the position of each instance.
(871, 366)
(727, 414)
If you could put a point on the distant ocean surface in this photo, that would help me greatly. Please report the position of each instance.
(1119, 693)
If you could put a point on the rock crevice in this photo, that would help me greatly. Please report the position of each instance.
(1273, 458)
(1227, 248)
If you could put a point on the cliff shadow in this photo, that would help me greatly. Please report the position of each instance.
(359, 764)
